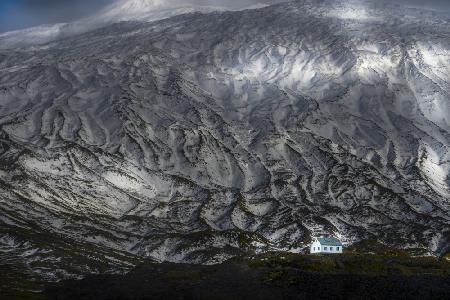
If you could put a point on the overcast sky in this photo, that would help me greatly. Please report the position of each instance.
(16, 14)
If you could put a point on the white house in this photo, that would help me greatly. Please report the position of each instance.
(326, 245)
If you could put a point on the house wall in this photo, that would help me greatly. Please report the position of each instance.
(331, 249)
(316, 247)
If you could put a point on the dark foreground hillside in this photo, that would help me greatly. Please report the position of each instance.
(273, 276)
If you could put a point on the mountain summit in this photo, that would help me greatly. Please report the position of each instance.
(150, 10)
(119, 11)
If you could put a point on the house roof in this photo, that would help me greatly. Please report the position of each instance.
(329, 241)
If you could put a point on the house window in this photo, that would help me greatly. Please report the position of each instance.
(337, 248)
(318, 248)
(331, 248)
(325, 248)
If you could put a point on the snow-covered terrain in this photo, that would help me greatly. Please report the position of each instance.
(122, 10)
(206, 135)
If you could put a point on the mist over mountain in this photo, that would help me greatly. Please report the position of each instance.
(19, 14)
(198, 133)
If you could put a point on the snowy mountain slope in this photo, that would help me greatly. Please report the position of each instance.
(120, 10)
(206, 135)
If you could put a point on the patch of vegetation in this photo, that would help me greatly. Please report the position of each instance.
(16, 284)
(446, 256)
(375, 247)
(184, 181)
(240, 202)
(53, 252)
(274, 276)
(182, 275)
(22, 295)
(353, 263)
(244, 239)
(270, 259)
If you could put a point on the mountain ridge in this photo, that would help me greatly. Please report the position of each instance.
(117, 11)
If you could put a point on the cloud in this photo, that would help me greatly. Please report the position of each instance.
(16, 14)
